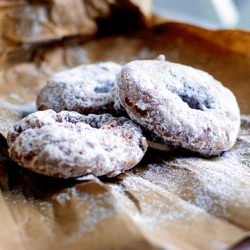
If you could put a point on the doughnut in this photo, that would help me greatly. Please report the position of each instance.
(68, 144)
(179, 106)
(85, 89)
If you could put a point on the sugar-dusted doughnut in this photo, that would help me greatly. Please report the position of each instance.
(68, 144)
(182, 106)
(84, 89)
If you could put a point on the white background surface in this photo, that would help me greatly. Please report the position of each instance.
(207, 13)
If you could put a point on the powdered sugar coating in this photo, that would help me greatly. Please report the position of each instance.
(183, 106)
(84, 89)
(68, 144)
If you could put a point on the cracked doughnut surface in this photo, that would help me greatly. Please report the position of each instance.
(84, 89)
(181, 106)
(68, 144)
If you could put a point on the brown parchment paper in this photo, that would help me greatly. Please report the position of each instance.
(169, 201)
(25, 24)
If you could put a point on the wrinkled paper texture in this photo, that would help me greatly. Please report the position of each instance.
(169, 200)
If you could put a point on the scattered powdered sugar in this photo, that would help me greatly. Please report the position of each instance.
(162, 214)
(186, 107)
(93, 208)
(66, 145)
(153, 203)
(85, 89)
(207, 188)
(219, 185)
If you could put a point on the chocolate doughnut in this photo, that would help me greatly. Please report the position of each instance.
(181, 106)
(84, 89)
(68, 144)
